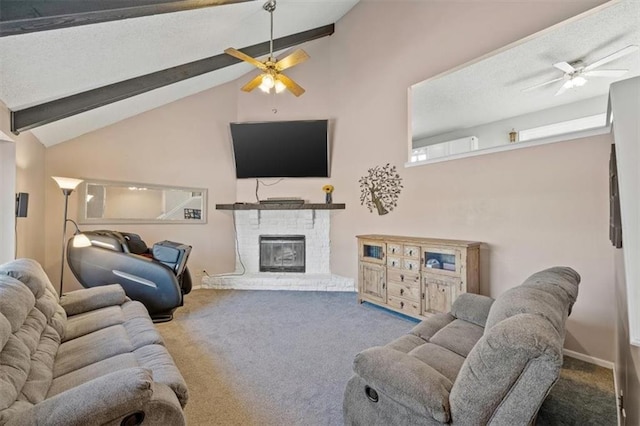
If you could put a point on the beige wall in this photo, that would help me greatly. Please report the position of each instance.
(533, 207)
(30, 157)
(182, 144)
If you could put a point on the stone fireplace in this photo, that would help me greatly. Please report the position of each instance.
(281, 247)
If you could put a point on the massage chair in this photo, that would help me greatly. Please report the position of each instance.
(157, 277)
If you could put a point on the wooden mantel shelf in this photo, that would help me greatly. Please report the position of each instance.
(280, 206)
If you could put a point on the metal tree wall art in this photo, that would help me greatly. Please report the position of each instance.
(380, 189)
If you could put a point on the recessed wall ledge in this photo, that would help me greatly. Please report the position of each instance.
(516, 145)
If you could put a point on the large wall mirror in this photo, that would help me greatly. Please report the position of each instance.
(548, 87)
(129, 202)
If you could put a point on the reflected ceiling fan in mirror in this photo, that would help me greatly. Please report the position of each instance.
(576, 73)
(272, 76)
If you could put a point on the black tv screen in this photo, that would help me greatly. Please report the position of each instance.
(281, 149)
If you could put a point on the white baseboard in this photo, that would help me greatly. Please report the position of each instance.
(590, 359)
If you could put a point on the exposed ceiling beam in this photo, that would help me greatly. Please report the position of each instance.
(26, 16)
(49, 112)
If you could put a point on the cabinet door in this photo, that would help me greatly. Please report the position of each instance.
(372, 251)
(441, 261)
(439, 296)
(372, 281)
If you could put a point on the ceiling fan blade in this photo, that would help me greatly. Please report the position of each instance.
(238, 54)
(291, 60)
(252, 84)
(528, 89)
(605, 73)
(619, 54)
(565, 67)
(564, 88)
(293, 87)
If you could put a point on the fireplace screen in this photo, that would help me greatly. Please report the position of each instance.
(282, 253)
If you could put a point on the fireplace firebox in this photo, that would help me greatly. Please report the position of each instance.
(282, 253)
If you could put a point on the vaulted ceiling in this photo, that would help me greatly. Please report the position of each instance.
(73, 66)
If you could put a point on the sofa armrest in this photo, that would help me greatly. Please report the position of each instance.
(89, 299)
(99, 401)
(473, 308)
(405, 379)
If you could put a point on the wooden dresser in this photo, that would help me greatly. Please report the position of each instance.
(416, 276)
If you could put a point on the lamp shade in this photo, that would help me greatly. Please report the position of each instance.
(66, 183)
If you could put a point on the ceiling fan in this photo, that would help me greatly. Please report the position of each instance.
(272, 77)
(575, 73)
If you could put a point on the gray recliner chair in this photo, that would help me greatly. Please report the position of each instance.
(157, 277)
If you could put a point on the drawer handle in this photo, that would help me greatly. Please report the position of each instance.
(402, 292)
(410, 266)
(410, 252)
(402, 277)
(401, 304)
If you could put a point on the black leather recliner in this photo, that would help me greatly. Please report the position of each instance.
(158, 278)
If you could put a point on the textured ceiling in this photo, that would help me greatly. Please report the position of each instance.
(43, 66)
(492, 89)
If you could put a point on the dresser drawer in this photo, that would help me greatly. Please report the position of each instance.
(394, 262)
(404, 277)
(408, 306)
(404, 290)
(411, 264)
(411, 251)
(394, 249)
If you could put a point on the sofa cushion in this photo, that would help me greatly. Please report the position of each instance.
(473, 308)
(30, 273)
(41, 372)
(426, 329)
(91, 348)
(88, 322)
(15, 362)
(442, 360)
(89, 299)
(406, 343)
(549, 293)
(459, 337)
(16, 301)
(92, 371)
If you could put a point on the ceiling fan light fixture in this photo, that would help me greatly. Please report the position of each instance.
(267, 83)
(280, 87)
(579, 81)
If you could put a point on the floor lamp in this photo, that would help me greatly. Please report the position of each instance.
(67, 185)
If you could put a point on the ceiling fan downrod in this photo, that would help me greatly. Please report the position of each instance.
(270, 6)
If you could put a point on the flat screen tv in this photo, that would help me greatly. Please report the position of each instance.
(281, 149)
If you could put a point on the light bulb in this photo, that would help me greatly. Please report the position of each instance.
(280, 87)
(579, 81)
(267, 83)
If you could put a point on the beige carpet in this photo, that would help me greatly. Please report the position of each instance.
(284, 358)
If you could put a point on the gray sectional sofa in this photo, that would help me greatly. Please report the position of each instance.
(92, 358)
(485, 362)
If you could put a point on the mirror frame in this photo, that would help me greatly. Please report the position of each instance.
(82, 204)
